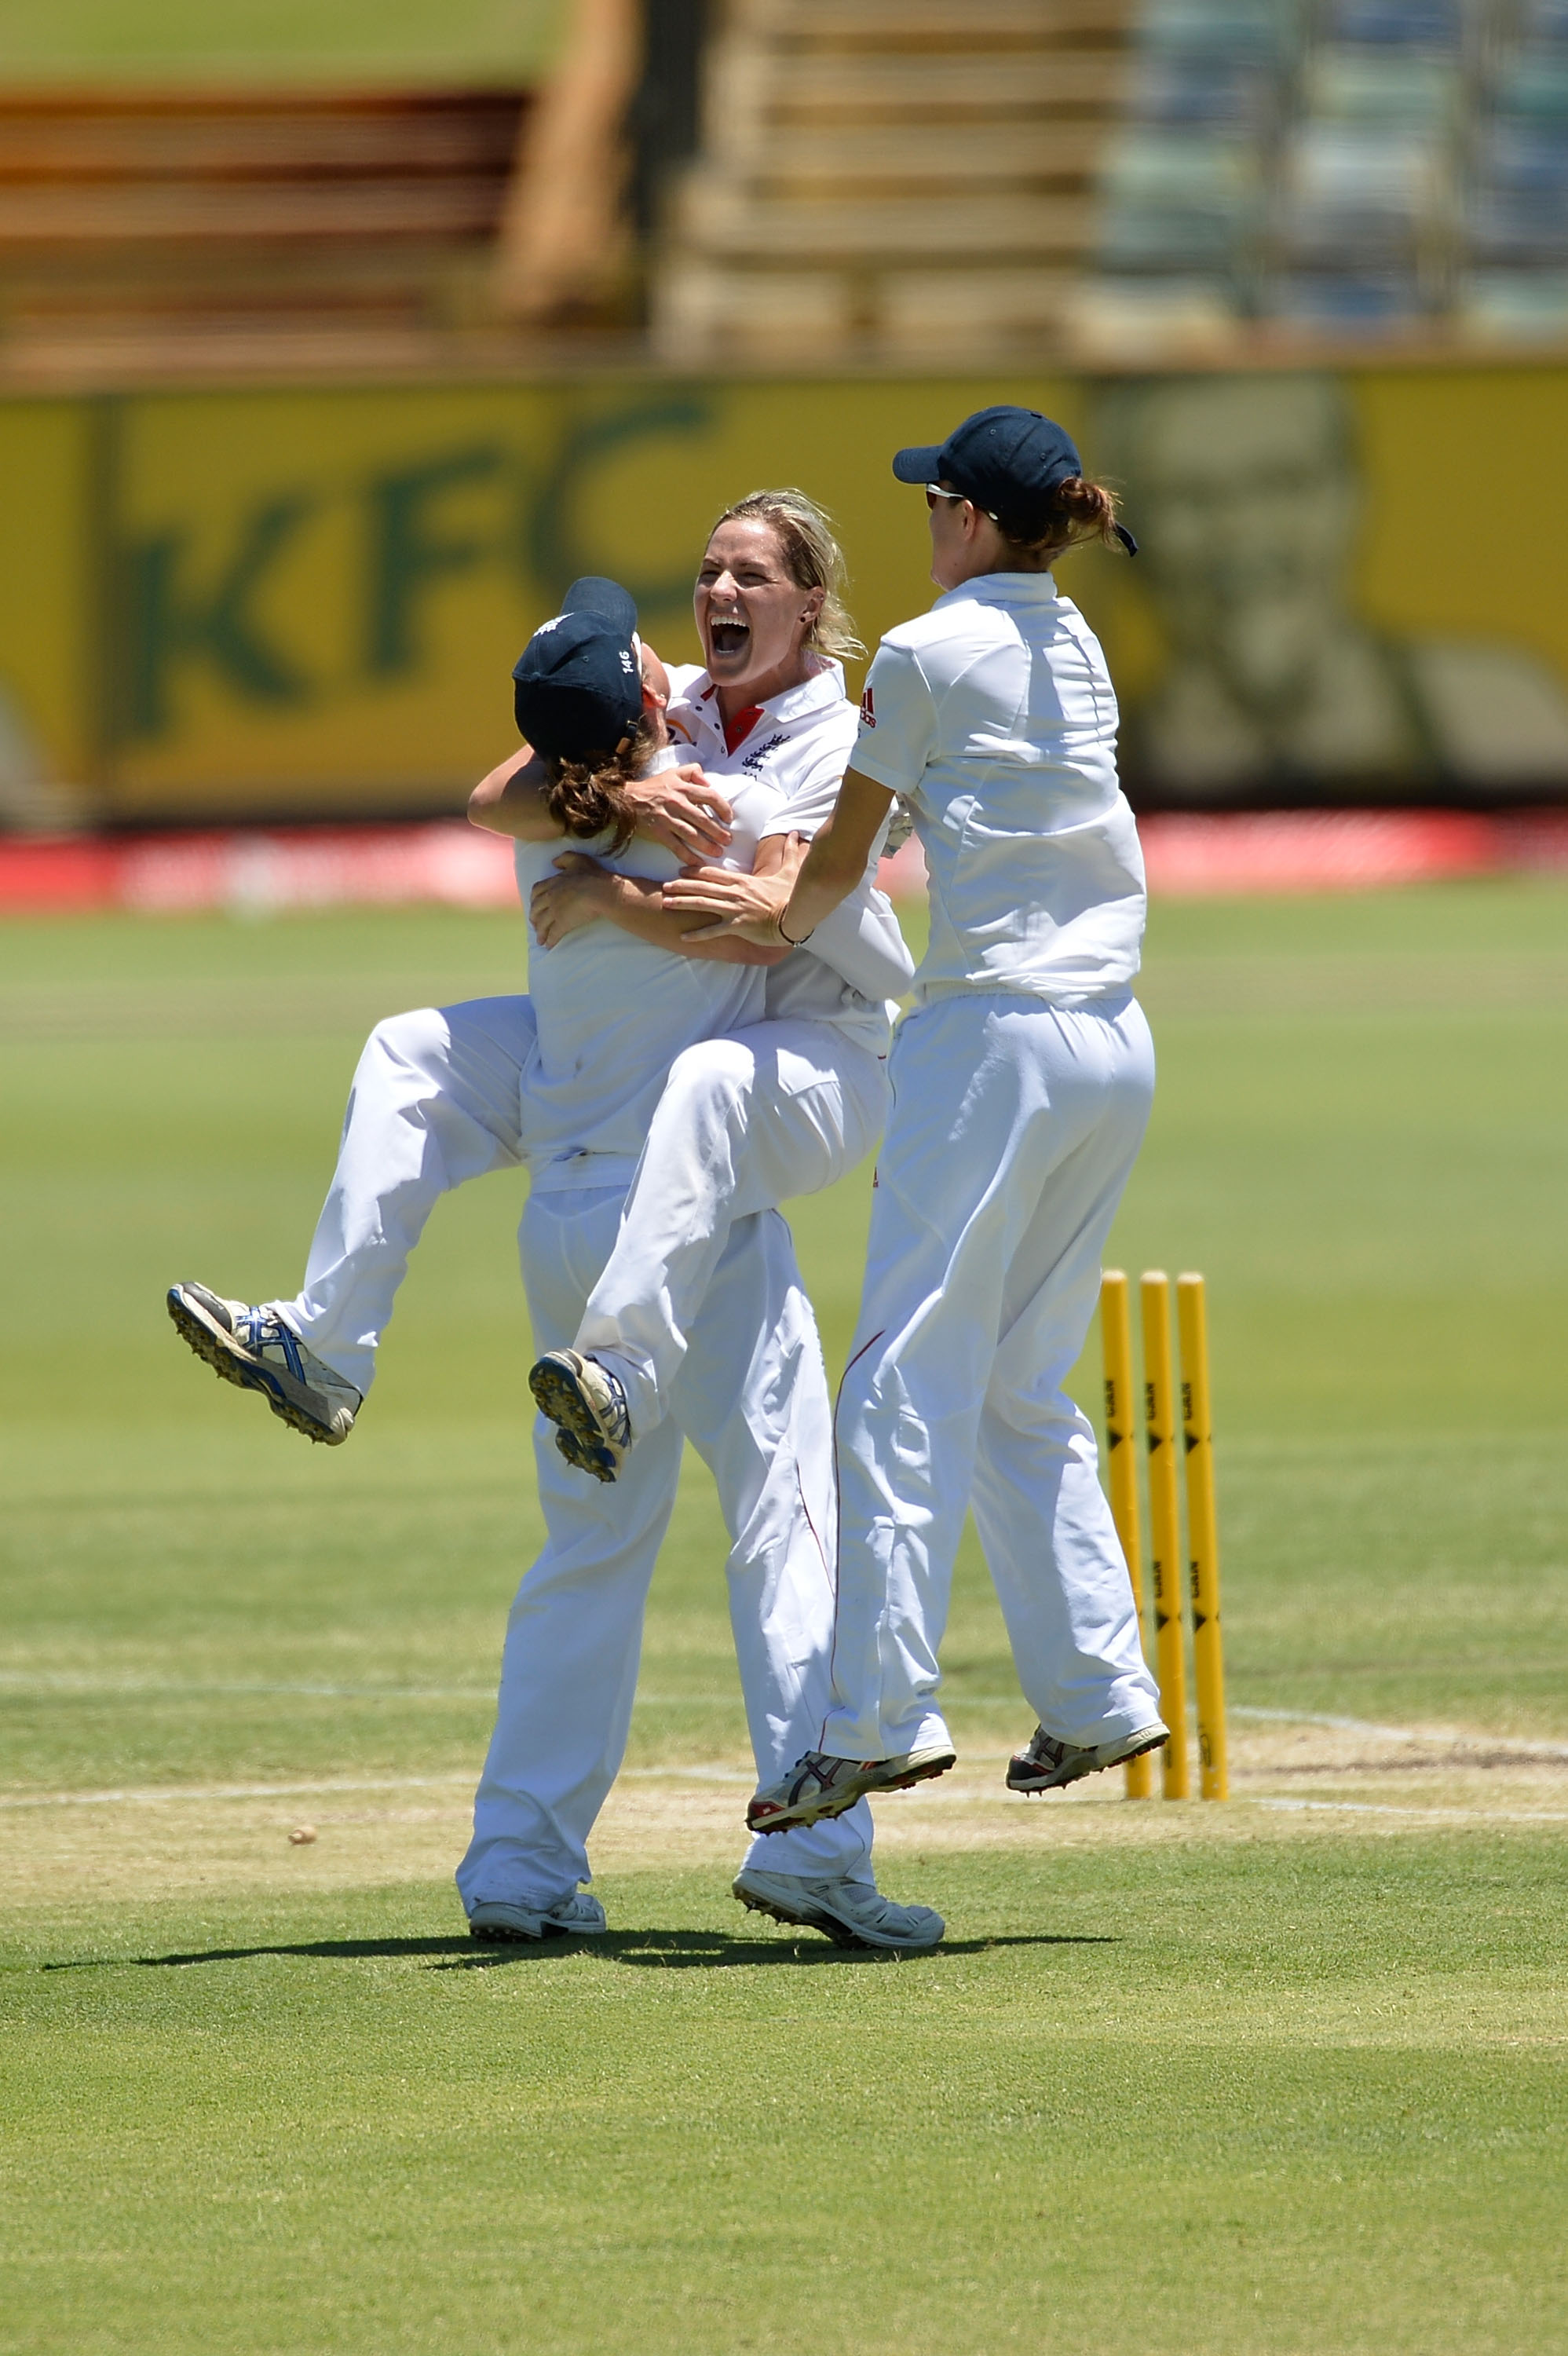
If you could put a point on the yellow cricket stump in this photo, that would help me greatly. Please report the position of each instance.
(1202, 1582)
(1122, 1468)
(1165, 1528)
(1203, 1538)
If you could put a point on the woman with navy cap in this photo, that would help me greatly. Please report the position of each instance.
(1022, 1083)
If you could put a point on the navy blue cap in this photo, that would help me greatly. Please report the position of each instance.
(1007, 461)
(596, 595)
(578, 684)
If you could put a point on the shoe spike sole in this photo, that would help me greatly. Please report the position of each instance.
(582, 1455)
(559, 1398)
(245, 1376)
(502, 1935)
(787, 1820)
(839, 1932)
(577, 1436)
(1040, 1791)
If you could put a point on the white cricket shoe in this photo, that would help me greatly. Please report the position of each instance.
(578, 1916)
(1049, 1765)
(254, 1348)
(822, 1785)
(588, 1404)
(852, 1914)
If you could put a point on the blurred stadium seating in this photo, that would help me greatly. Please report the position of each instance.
(411, 186)
(798, 182)
(1362, 167)
(892, 178)
(177, 226)
(1123, 177)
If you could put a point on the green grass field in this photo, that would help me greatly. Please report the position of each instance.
(1282, 2076)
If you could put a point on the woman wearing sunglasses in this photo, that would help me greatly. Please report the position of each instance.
(1022, 1082)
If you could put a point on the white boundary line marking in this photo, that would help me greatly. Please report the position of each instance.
(44, 1686)
(173, 1793)
(1454, 1737)
(1385, 1808)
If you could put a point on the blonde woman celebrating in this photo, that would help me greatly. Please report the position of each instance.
(780, 1108)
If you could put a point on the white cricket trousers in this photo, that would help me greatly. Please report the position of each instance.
(753, 1396)
(437, 1099)
(745, 1122)
(1014, 1130)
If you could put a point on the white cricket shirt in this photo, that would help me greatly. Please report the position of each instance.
(992, 715)
(797, 747)
(613, 1012)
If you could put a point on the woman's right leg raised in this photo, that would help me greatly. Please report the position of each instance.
(745, 1122)
(436, 1100)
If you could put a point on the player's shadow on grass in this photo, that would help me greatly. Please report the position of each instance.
(645, 1950)
(678, 1951)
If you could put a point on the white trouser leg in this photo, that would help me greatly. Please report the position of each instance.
(1014, 1131)
(1071, 1619)
(755, 1342)
(569, 1666)
(436, 1100)
(745, 1123)
(753, 1395)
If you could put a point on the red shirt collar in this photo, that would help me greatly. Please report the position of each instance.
(735, 731)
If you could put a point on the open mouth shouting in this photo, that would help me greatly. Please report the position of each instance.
(730, 637)
(752, 615)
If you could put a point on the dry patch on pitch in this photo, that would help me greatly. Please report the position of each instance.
(1287, 1777)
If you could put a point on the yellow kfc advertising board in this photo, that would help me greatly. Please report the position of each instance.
(301, 603)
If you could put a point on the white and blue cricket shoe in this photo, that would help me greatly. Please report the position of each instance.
(588, 1407)
(1049, 1764)
(850, 1913)
(578, 1916)
(255, 1349)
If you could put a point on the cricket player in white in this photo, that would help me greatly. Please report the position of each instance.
(784, 1106)
(1022, 1083)
(566, 1079)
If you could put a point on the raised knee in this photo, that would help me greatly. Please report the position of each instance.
(715, 1071)
(409, 1038)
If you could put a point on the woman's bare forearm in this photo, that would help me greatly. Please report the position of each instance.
(837, 857)
(759, 908)
(677, 809)
(635, 903)
(511, 800)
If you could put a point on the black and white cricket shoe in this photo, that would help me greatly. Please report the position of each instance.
(255, 1349)
(1049, 1765)
(850, 1913)
(587, 1404)
(578, 1916)
(822, 1785)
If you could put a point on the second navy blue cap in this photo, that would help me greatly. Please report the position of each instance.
(1007, 461)
(578, 685)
